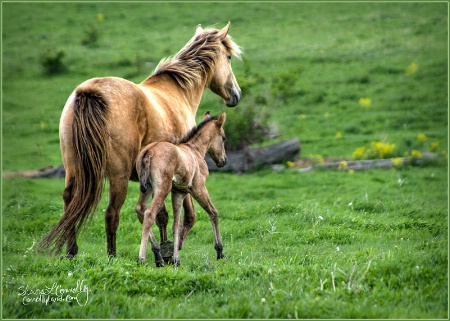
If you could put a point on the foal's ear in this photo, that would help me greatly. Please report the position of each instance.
(221, 120)
(206, 115)
(224, 32)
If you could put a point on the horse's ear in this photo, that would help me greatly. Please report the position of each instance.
(224, 32)
(206, 115)
(198, 30)
(221, 120)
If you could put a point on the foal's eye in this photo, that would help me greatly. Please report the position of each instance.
(229, 57)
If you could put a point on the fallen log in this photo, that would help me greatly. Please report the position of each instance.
(249, 159)
(358, 165)
(46, 172)
(238, 162)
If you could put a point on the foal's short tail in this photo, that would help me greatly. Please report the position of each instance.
(90, 152)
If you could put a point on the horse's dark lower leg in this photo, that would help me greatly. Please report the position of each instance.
(117, 195)
(162, 219)
(72, 247)
(189, 218)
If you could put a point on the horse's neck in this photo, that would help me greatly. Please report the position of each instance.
(176, 94)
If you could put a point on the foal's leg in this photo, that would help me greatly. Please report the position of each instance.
(162, 218)
(177, 201)
(202, 197)
(141, 205)
(189, 218)
(149, 218)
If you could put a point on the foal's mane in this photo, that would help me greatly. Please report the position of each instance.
(195, 60)
(194, 131)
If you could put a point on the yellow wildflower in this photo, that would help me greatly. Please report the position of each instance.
(317, 159)
(338, 135)
(422, 137)
(365, 102)
(434, 146)
(359, 153)
(416, 153)
(412, 69)
(342, 165)
(398, 161)
(100, 17)
(290, 164)
(382, 150)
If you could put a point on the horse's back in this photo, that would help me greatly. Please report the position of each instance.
(125, 125)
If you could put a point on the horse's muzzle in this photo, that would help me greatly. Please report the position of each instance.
(234, 99)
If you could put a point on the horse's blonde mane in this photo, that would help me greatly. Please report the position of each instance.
(196, 59)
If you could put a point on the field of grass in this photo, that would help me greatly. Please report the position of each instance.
(323, 244)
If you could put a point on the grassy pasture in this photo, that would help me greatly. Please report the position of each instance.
(325, 244)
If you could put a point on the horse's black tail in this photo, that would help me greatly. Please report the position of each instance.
(144, 171)
(90, 152)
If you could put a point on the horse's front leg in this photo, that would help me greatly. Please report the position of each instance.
(177, 201)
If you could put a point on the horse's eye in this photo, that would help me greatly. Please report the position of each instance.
(229, 57)
(223, 138)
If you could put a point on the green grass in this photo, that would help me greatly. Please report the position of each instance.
(324, 244)
(284, 233)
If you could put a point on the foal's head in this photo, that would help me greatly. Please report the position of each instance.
(216, 147)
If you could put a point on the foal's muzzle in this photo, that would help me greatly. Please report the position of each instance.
(221, 163)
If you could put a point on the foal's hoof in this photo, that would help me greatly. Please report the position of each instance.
(175, 262)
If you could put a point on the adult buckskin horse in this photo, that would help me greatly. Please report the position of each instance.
(106, 122)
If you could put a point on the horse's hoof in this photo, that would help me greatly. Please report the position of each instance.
(220, 256)
(140, 260)
(67, 256)
(159, 264)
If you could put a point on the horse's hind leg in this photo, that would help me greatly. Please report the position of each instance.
(117, 194)
(72, 247)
